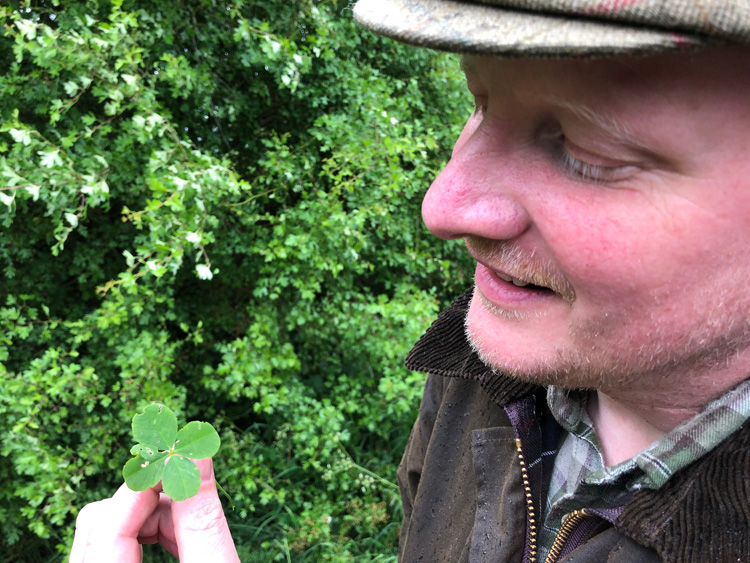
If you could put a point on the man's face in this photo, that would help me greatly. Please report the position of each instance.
(620, 191)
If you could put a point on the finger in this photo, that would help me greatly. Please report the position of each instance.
(200, 527)
(83, 528)
(107, 530)
(158, 527)
(160, 517)
(132, 509)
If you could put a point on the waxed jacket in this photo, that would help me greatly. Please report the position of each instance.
(467, 497)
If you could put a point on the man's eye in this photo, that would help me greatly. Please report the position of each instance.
(580, 169)
(586, 171)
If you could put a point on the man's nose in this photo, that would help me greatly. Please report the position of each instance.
(476, 195)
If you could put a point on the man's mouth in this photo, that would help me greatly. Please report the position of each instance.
(509, 263)
(520, 283)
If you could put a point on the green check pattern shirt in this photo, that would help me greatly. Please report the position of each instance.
(581, 480)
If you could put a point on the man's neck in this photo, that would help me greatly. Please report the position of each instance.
(628, 421)
(624, 430)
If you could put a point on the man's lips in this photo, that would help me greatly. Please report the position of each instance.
(504, 293)
(516, 281)
(508, 265)
(519, 280)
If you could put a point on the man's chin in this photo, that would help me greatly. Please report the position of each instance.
(497, 337)
(546, 366)
(541, 373)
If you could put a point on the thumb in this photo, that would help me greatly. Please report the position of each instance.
(201, 529)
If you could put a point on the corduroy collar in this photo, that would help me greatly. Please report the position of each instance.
(444, 350)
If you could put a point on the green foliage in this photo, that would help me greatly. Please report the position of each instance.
(216, 206)
(162, 453)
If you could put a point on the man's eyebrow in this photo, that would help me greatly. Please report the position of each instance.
(607, 123)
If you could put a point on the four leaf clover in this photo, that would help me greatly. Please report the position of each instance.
(164, 454)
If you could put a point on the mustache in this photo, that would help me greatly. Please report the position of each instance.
(509, 258)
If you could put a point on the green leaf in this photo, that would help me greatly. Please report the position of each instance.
(140, 474)
(147, 452)
(197, 440)
(155, 427)
(72, 218)
(27, 28)
(50, 158)
(181, 479)
(7, 199)
(70, 88)
(20, 136)
(163, 453)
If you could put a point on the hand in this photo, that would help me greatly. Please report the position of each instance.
(195, 530)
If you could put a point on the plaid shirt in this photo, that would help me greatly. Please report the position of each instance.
(581, 480)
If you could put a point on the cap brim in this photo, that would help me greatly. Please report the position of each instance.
(464, 27)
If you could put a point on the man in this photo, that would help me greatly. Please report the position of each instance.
(587, 399)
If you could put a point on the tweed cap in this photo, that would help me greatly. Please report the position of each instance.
(559, 28)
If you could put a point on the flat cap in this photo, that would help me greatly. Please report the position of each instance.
(559, 28)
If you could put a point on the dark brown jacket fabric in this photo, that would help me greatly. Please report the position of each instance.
(462, 484)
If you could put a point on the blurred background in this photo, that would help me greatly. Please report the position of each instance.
(215, 205)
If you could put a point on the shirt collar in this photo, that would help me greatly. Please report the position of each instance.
(678, 448)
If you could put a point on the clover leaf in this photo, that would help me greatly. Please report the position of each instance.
(162, 453)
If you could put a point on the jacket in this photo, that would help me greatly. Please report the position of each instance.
(468, 496)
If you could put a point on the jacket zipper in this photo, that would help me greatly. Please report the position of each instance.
(570, 524)
(567, 528)
(530, 514)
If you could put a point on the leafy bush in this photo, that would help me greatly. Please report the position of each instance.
(216, 206)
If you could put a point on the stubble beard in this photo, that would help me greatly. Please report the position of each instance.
(661, 358)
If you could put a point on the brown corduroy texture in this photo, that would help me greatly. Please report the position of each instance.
(702, 513)
(446, 342)
(558, 28)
